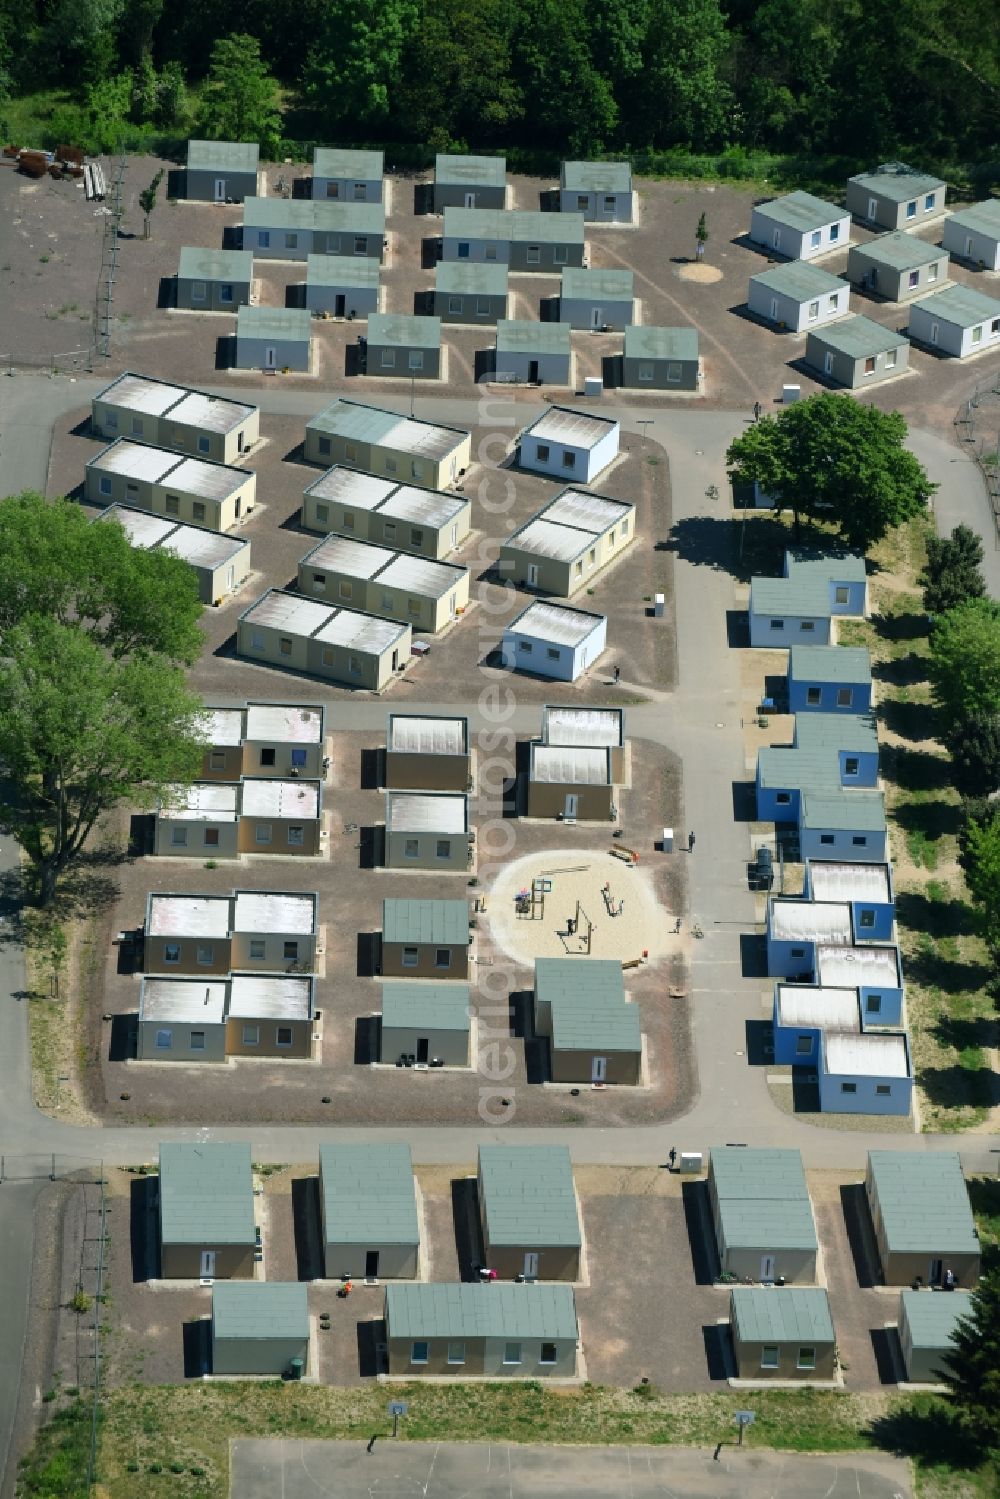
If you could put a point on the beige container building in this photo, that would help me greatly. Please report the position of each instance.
(782, 1332)
(427, 754)
(529, 1212)
(563, 547)
(594, 1032)
(574, 784)
(198, 822)
(566, 727)
(185, 491)
(261, 931)
(763, 1218)
(340, 645)
(922, 1217)
(206, 1211)
(481, 1331)
(425, 595)
(221, 563)
(387, 444)
(271, 1015)
(256, 816)
(368, 1211)
(428, 830)
(253, 1015)
(176, 417)
(428, 1024)
(265, 739)
(364, 507)
(425, 939)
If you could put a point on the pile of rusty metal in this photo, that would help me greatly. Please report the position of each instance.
(64, 161)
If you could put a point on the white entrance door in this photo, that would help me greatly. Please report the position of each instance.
(767, 1267)
(270, 358)
(220, 189)
(533, 574)
(872, 208)
(530, 1271)
(968, 246)
(208, 1264)
(597, 317)
(828, 363)
(599, 1070)
(454, 536)
(776, 240)
(470, 200)
(934, 333)
(571, 805)
(231, 579)
(774, 309)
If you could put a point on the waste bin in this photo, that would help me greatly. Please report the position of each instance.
(296, 1368)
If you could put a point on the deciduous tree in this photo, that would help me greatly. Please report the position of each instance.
(974, 747)
(964, 662)
(240, 98)
(953, 573)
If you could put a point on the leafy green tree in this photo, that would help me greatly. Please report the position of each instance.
(701, 235)
(108, 106)
(82, 37)
(834, 459)
(139, 20)
(964, 663)
(355, 64)
(81, 733)
(240, 98)
(974, 747)
(683, 98)
(953, 572)
(456, 79)
(972, 1369)
(572, 103)
(145, 91)
(54, 562)
(147, 201)
(171, 100)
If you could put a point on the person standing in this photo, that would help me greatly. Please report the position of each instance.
(690, 842)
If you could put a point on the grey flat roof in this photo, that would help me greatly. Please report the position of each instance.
(540, 1310)
(523, 335)
(569, 524)
(586, 282)
(341, 554)
(596, 176)
(324, 214)
(767, 1223)
(369, 1194)
(403, 331)
(283, 323)
(643, 341)
(514, 225)
(289, 723)
(470, 276)
(271, 996)
(924, 1202)
(409, 1004)
(430, 921)
(758, 1172)
(826, 563)
(206, 1193)
(470, 171)
(528, 1196)
(274, 911)
(844, 810)
(279, 609)
(354, 421)
(799, 280)
(932, 1318)
(355, 271)
(962, 305)
(337, 161)
(897, 184)
(555, 623)
(199, 264)
(227, 156)
(793, 596)
(428, 507)
(858, 337)
(901, 251)
(851, 732)
(589, 1008)
(260, 1309)
(421, 734)
(801, 211)
(781, 1314)
(799, 769)
(830, 663)
(983, 218)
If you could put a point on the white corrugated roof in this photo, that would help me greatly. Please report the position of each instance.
(812, 1005)
(210, 413)
(283, 799)
(867, 1055)
(588, 726)
(569, 764)
(859, 967)
(222, 726)
(212, 481)
(553, 623)
(201, 802)
(203, 548)
(361, 632)
(355, 559)
(136, 393)
(420, 576)
(425, 506)
(591, 512)
(184, 1001)
(810, 921)
(854, 882)
(286, 723)
(143, 529)
(410, 734)
(270, 996)
(188, 916)
(543, 538)
(348, 486)
(287, 611)
(134, 460)
(577, 428)
(413, 812)
(270, 911)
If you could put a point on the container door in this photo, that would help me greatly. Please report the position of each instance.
(423, 1049)
(530, 1271)
(599, 1069)
(239, 506)
(220, 189)
(339, 304)
(533, 574)
(371, 1264)
(872, 209)
(533, 372)
(934, 1273)
(470, 200)
(208, 1264)
(774, 309)
(934, 333)
(968, 246)
(270, 358)
(571, 806)
(767, 1267)
(776, 239)
(828, 363)
(231, 580)
(454, 535)
(597, 317)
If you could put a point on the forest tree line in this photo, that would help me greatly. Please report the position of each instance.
(864, 80)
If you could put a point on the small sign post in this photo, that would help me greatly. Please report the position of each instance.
(399, 1408)
(743, 1419)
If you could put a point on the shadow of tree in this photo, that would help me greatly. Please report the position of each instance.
(938, 918)
(903, 671)
(961, 1087)
(906, 625)
(932, 819)
(914, 721)
(928, 1429)
(914, 770)
(978, 1032)
(933, 971)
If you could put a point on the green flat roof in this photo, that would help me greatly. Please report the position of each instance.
(439, 1007)
(613, 285)
(983, 217)
(830, 663)
(503, 225)
(897, 186)
(357, 421)
(369, 1195)
(206, 1194)
(931, 1316)
(781, 1314)
(229, 156)
(843, 811)
(470, 276)
(962, 305)
(798, 280)
(858, 337)
(353, 271)
(642, 342)
(794, 596)
(767, 1224)
(539, 1310)
(758, 1172)
(568, 978)
(444, 921)
(519, 335)
(336, 161)
(470, 171)
(924, 1202)
(855, 733)
(274, 322)
(198, 264)
(837, 567)
(801, 211)
(596, 176)
(901, 251)
(259, 1309)
(780, 766)
(397, 330)
(314, 213)
(589, 1008)
(528, 1196)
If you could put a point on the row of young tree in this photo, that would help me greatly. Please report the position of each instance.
(864, 79)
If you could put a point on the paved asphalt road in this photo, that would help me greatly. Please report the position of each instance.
(700, 721)
(399, 1470)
